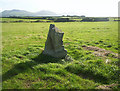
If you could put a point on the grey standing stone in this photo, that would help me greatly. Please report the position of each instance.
(54, 44)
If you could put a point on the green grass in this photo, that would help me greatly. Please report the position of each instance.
(25, 67)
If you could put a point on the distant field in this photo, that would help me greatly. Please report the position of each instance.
(52, 19)
(24, 67)
(22, 20)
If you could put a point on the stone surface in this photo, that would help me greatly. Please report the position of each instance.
(54, 44)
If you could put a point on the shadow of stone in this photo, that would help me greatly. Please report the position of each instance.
(42, 58)
(25, 66)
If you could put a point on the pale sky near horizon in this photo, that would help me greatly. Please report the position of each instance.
(90, 8)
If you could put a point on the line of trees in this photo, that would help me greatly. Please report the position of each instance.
(94, 19)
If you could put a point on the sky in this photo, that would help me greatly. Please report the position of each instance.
(89, 8)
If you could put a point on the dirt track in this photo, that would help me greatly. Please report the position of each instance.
(101, 52)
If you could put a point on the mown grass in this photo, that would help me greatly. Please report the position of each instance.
(25, 67)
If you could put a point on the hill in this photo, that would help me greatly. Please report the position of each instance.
(16, 12)
(45, 13)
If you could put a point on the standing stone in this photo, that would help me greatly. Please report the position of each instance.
(54, 44)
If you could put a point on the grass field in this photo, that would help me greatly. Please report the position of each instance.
(25, 67)
(21, 20)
